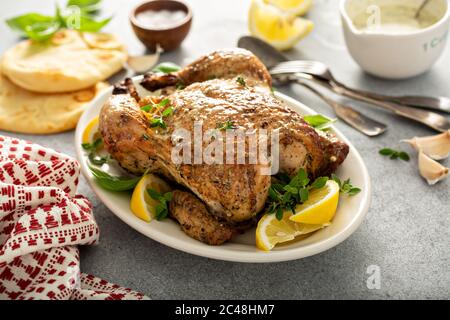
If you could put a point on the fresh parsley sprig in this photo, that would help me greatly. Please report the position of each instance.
(286, 195)
(39, 27)
(346, 186)
(394, 154)
(162, 210)
(319, 122)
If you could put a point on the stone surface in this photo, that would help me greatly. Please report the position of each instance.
(406, 233)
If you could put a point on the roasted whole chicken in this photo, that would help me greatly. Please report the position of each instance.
(214, 201)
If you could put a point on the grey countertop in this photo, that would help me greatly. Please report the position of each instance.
(406, 233)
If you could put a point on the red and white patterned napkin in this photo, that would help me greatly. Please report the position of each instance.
(42, 220)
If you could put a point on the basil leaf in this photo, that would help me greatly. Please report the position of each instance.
(112, 183)
(87, 6)
(88, 24)
(319, 121)
(166, 67)
(35, 26)
(97, 160)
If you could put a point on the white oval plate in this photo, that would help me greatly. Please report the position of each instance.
(349, 216)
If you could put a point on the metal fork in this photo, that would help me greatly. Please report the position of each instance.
(319, 73)
(319, 69)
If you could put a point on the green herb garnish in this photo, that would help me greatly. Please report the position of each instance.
(86, 6)
(241, 81)
(319, 121)
(227, 125)
(97, 160)
(162, 210)
(166, 67)
(92, 146)
(40, 27)
(287, 195)
(158, 122)
(346, 186)
(394, 154)
(112, 183)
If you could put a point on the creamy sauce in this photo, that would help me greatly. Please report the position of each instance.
(393, 19)
(160, 19)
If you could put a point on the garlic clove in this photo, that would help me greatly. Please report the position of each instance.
(436, 147)
(431, 170)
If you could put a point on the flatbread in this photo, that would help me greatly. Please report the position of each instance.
(39, 113)
(70, 61)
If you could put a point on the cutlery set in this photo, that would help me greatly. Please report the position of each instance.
(303, 72)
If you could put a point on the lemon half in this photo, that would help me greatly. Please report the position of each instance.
(90, 132)
(280, 29)
(271, 231)
(294, 7)
(320, 207)
(142, 205)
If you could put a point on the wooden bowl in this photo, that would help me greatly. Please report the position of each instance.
(169, 38)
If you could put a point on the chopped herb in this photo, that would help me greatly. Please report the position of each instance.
(346, 186)
(394, 154)
(112, 183)
(319, 121)
(241, 81)
(147, 107)
(163, 103)
(150, 106)
(145, 136)
(158, 122)
(291, 192)
(167, 112)
(162, 210)
(227, 125)
(166, 67)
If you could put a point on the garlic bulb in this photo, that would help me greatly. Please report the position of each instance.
(436, 147)
(431, 170)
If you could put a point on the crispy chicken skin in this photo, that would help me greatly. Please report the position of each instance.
(230, 192)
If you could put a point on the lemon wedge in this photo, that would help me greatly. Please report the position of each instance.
(142, 205)
(90, 133)
(320, 207)
(280, 29)
(271, 231)
(294, 7)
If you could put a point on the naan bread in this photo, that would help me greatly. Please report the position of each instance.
(69, 61)
(39, 113)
